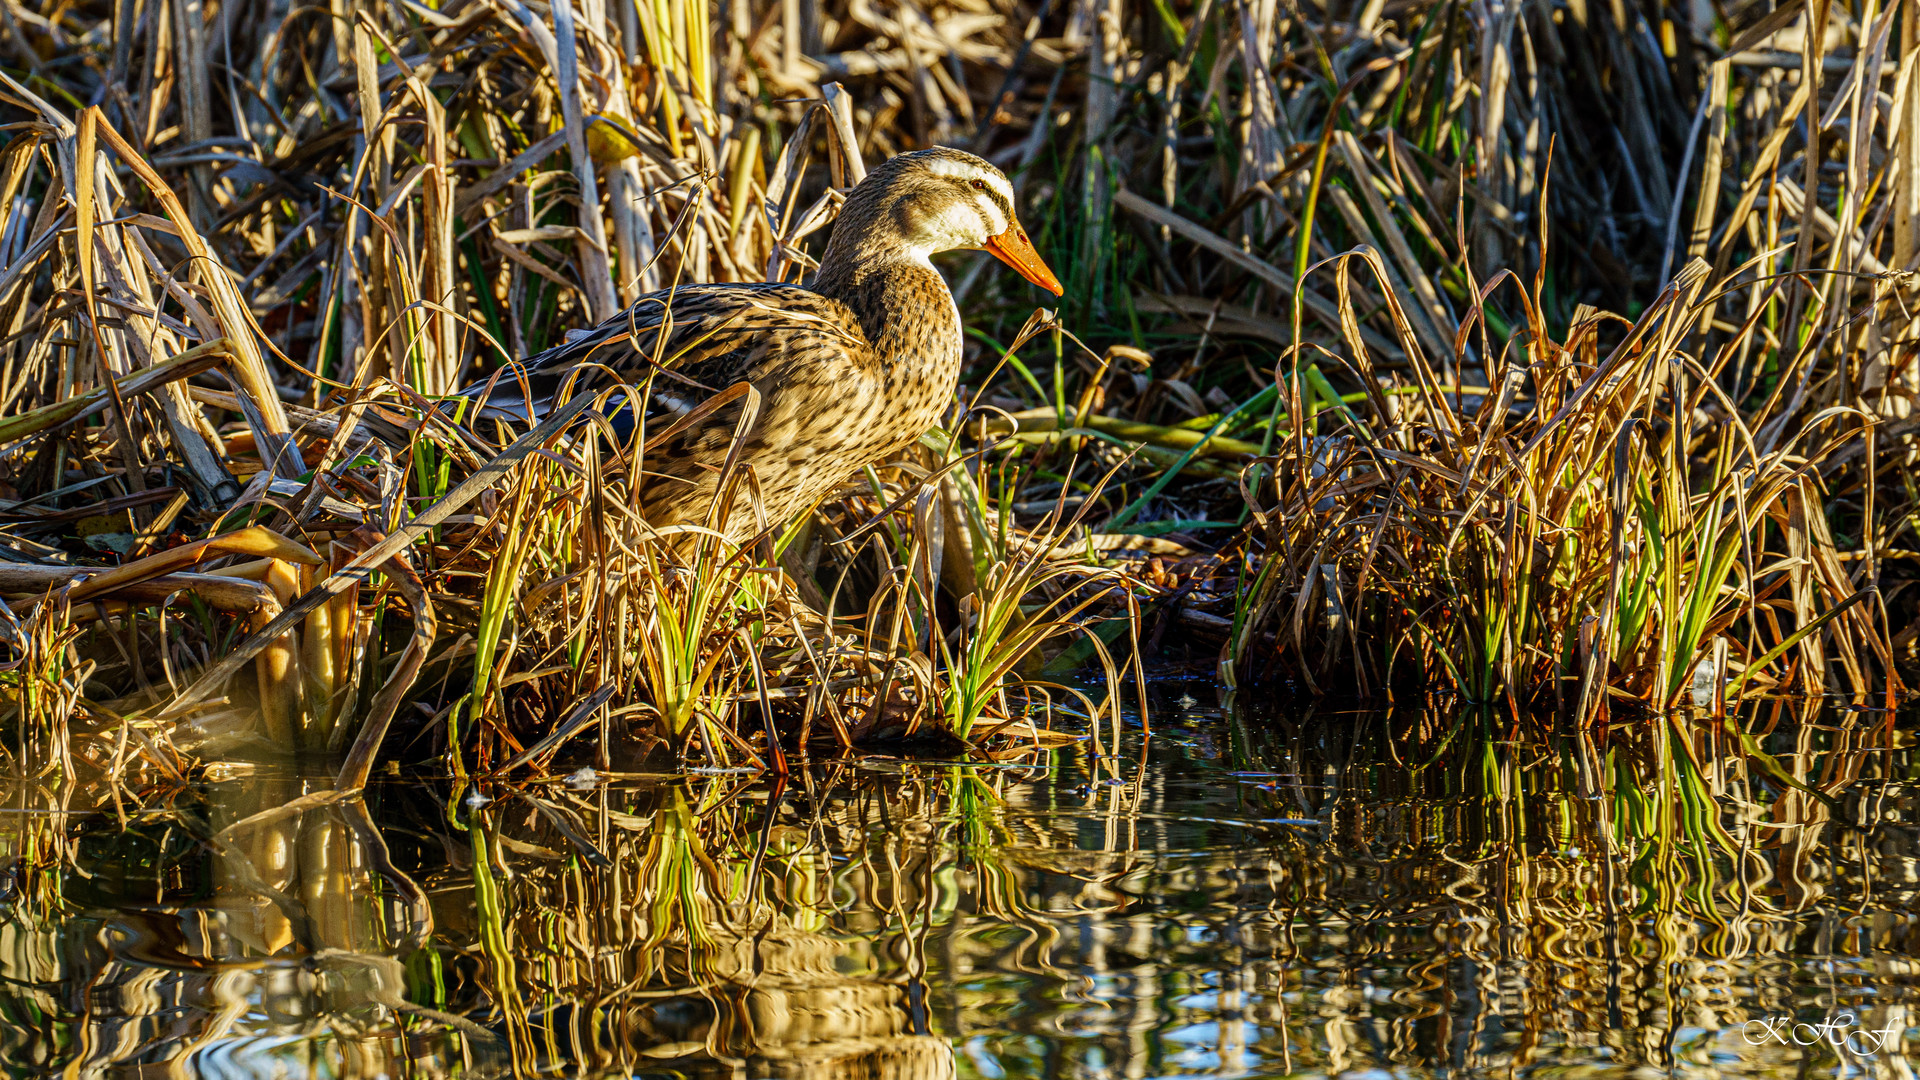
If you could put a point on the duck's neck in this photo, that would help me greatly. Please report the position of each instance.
(903, 306)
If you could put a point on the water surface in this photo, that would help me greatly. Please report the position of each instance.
(1336, 894)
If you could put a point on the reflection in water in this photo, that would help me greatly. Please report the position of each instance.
(261, 932)
(1428, 896)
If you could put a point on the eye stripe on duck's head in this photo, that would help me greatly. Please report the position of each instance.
(919, 204)
(975, 175)
(930, 201)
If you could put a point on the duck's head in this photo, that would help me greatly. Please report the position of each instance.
(928, 201)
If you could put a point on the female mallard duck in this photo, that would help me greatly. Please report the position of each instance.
(849, 370)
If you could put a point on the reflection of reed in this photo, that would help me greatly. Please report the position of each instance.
(1294, 896)
(1484, 914)
(280, 953)
(712, 935)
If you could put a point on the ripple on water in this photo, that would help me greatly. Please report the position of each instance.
(1235, 897)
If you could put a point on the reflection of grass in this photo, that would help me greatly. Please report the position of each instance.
(1692, 818)
(1599, 899)
(490, 920)
(1529, 891)
(719, 926)
(211, 935)
(37, 855)
(686, 891)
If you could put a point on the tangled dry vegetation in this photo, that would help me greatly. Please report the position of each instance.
(1561, 353)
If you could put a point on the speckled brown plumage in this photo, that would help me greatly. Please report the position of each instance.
(850, 369)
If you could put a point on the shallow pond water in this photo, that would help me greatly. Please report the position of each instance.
(1340, 894)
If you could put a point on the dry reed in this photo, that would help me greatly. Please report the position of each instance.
(1350, 372)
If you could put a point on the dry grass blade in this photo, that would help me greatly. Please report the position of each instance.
(1344, 391)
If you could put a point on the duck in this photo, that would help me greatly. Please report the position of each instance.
(848, 369)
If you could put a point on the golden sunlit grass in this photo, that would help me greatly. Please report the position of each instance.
(1416, 346)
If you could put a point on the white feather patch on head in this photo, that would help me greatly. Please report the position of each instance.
(995, 218)
(968, 222)
(970, 168)
(962, 169)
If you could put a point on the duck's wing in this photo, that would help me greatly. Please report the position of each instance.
(684, 344)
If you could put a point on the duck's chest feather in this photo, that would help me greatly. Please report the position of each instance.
(885, 396)
(827, 412)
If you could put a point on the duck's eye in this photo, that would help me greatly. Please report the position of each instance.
(977, 185)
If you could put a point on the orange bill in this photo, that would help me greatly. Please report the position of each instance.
(1013, 248)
